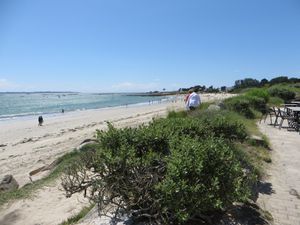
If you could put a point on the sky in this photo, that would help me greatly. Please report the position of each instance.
(145, 45)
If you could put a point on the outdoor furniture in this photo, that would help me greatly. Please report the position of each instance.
(296, 102)
(295, 113)
(284, 115)
(288, 105)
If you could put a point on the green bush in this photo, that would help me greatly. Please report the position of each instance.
(201, 127)
(164, 173)
(259, 92)
(241, 105)
(257, 103)
(282, 92)
(201, 177)
(141, 139)
(248, 104)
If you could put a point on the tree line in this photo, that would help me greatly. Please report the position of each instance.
(244, 83)
(250, 82)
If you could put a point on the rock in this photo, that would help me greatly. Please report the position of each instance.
(8, 183)
(214, 108)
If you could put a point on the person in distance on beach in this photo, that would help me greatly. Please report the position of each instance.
(41, 120)
(193, 100)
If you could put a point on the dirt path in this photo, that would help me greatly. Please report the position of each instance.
(281, 190)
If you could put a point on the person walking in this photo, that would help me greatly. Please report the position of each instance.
(41, 120)
(193, 100)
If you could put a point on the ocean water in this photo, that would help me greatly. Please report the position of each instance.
(16, 105)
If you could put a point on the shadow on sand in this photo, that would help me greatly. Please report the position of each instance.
(265, 188)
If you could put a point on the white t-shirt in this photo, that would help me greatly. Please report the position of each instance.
(193, 100)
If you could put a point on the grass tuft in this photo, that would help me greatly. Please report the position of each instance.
(74, 219)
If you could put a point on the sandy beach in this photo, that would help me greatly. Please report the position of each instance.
(25, 146)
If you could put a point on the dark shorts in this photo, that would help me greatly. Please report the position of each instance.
(192, 108)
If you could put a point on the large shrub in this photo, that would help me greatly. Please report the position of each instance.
(201, 177)
(282, 92)
(164, 173)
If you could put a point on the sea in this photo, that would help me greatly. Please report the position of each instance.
(24, 105)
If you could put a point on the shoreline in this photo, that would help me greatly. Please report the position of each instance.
(32, 115)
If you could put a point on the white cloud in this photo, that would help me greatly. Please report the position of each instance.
(130, 86)
(6, 85)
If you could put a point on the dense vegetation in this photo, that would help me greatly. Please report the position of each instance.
(172, 171)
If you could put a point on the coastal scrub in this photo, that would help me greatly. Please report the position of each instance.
(169, 172)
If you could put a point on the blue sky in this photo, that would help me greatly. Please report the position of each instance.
(143, 45)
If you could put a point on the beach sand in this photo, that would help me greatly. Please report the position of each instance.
(25, 146)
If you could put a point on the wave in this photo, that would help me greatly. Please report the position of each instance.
(11, 116)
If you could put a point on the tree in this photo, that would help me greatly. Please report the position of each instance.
(263, 82)
(249, 82)
(246, 83)
(294, 80)
(197, 88)
(278, 80)
(223, 88)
